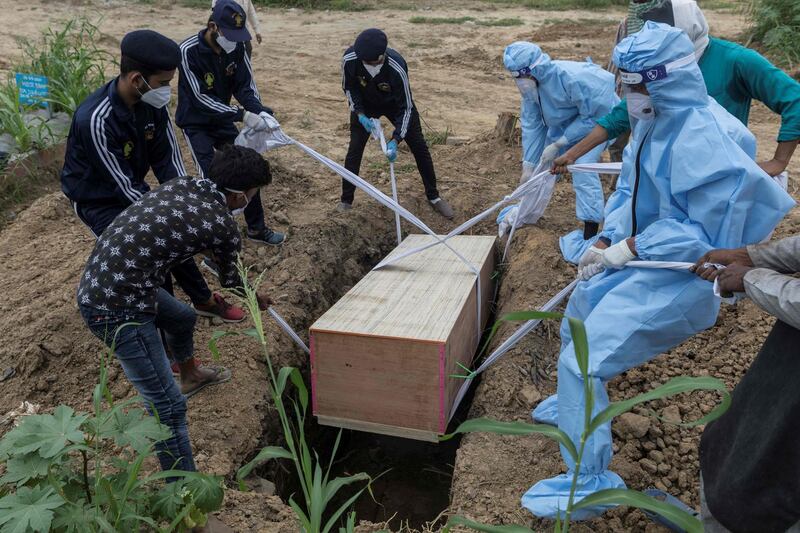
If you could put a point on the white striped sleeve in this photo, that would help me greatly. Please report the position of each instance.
(350, 102)
(407, 91)
(213, 105)
(252, 78)
(177, 160)
(108, 160)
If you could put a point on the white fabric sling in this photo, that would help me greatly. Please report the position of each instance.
(377, 133)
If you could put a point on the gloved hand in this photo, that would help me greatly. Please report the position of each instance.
(391, 151)
(270, 123)
(505, 219)
(527, 172)
(550, 152)
(253, 121)
(617, 255)
(591, 263)
(365, 121)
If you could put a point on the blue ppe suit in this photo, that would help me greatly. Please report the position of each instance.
(572, 96)
(686, 187)
(573, 245)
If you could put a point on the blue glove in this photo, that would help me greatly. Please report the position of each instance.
(391, 151)
(365, 121)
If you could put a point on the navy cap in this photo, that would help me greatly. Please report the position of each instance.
(370, 44)
(230, 18)
(151, 49)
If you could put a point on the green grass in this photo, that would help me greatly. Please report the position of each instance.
(462, 20)
(336, 5)
(775, 24)
(562, 5)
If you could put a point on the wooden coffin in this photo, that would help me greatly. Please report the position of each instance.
(382, 356)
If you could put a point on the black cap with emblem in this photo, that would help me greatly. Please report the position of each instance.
(151, 49)
(230, 18)
(370, 44)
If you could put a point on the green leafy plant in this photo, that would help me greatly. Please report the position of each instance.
(335, 5)
(27, 134)
(628, 497)
(515, 21)
(317, 487)
(776, 25)
(71, 59)
(78, 472)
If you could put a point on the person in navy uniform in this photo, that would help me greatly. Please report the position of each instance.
(121, 132)
(214, 67)
(375, 81)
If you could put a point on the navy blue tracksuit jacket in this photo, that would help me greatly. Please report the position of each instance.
(388, 93)
(111, 148)
(208, 82)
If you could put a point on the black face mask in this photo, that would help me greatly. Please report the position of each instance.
(662, 13)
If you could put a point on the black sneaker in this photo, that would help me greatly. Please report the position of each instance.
(210, 265)
(267, 236)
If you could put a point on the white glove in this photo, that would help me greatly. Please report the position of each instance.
(591, 263)
(618, 255)
(505, 219)
(527, 172)
(270, 123)
(252, 121)
(551, 151)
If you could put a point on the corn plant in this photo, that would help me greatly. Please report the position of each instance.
(606, 497)
(27, 134)
(71, 59)
(82, 472)
(317, 487)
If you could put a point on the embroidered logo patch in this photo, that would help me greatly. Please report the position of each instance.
(127, 149)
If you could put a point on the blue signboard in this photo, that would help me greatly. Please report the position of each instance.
(33, 89)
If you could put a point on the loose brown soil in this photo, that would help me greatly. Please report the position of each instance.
(458, 82)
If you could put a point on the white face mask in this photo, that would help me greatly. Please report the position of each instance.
(528, 88)
(240, 210)
(158, 98)
(372, 69)
(640, 106)
(225, 44)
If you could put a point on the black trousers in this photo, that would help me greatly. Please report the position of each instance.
(415, 141)
(97, 217)
(202, 144)
(748, 457)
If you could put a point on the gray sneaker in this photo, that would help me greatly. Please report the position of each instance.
(344, 207)
(441, 206)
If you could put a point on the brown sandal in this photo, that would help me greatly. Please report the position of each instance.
(221, 375)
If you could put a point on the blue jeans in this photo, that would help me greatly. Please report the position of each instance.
(144, 361)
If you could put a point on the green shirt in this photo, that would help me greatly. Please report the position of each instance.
(734, 76)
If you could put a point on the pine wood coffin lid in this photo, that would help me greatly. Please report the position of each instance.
(420, 297)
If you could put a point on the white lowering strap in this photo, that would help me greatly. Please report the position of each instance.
(278, 138)
(377, 133)
(530, 325)
(288, 329)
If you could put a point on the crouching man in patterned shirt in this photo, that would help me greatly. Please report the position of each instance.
(121, 284)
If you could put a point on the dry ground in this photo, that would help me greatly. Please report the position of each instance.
(458, 82)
